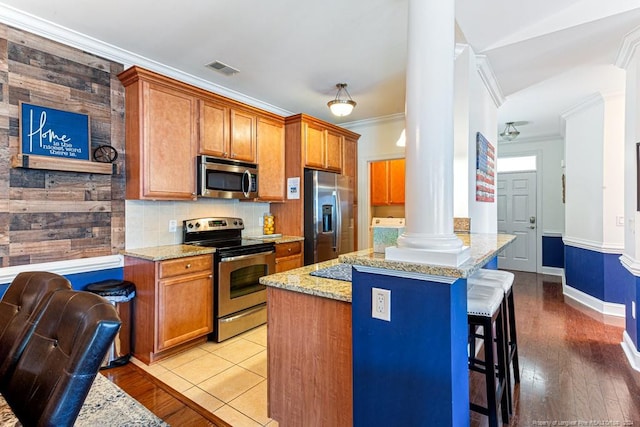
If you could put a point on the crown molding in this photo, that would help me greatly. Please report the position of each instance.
(628, 48)
(374, 121)
(533, 138)
(589, 101)
(50, 30)
(489, 79)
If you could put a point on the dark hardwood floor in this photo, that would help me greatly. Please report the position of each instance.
(573, 369)
(160, 399)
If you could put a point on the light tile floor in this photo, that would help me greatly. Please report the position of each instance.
(229, 378)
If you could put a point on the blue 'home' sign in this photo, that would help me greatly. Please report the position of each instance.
(56, 133)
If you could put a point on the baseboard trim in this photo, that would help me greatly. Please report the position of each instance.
(553, 271)
(633, 356)
(607, 308)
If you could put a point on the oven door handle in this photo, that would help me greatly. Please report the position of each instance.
(241, 257)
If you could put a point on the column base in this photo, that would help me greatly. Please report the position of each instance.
(448, 258)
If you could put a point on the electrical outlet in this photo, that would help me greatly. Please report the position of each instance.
(381, 304)
(173, 225)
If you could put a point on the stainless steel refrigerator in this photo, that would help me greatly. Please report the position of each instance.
(328, 216)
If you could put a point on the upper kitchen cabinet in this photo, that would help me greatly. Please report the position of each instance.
(161, 137)
(387, 182)
(321, 142)
(168, 123)
(227, 131)
(271, 160)
(311, 143)
(350, 162)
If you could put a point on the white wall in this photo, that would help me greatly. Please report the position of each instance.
(482, 118)
(613, 173)
(594, 153)
(632, 136)
(464, 68)
(584, 133)
(147, 222)
(550, 153)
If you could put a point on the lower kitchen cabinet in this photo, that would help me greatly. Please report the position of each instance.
(288, 256)
(174, 304)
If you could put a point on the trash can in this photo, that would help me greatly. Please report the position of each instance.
(120, 293)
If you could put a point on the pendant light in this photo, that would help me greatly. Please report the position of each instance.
(510, 132)
(342, 105)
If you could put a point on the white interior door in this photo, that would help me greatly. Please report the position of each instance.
(517, 215)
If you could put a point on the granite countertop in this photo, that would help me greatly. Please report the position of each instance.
(483, 247)
(160, 253)
(300, 280)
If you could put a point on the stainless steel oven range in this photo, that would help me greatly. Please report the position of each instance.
(239, 299)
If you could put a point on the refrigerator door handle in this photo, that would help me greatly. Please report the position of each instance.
(338, 228)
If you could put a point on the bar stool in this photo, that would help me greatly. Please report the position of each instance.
(503, 280)
(484, 309)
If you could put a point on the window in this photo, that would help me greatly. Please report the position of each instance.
(516, 164)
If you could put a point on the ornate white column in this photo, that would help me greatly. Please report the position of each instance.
(428, 236)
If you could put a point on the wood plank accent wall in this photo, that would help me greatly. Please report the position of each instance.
(46, 215)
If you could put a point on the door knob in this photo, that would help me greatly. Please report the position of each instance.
(532, 227)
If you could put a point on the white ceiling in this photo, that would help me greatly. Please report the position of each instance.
(547, 55)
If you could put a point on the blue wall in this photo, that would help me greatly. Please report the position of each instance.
(412, 370)
(552, 251)
(81, 280)
(600, 275)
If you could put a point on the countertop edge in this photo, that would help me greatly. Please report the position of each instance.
(161, 253)
(300, 280)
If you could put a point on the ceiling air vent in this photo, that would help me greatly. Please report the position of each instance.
(223, 68)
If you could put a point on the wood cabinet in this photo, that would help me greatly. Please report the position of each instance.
(299, 349)
(387, 182)
(174, 304)
(322, 147)
(161, 137)
(271, 160)
(168, 123)
(226, 132)
(288, 256)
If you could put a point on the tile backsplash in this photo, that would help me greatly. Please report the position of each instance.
(147, 222)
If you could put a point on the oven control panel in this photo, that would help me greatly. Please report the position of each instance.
(213, 224)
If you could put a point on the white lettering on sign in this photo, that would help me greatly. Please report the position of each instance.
(41, 134)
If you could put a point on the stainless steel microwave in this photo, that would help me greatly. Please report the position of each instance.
(227, 179)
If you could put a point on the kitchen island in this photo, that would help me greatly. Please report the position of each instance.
(320, 333)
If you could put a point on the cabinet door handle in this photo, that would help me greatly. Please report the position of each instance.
(211, 276)
(289, 249)
(187, 266)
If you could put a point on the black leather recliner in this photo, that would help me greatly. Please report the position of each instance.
(61, 359)
(20, 309)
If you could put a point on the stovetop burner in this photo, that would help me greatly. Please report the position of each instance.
(222, 233)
